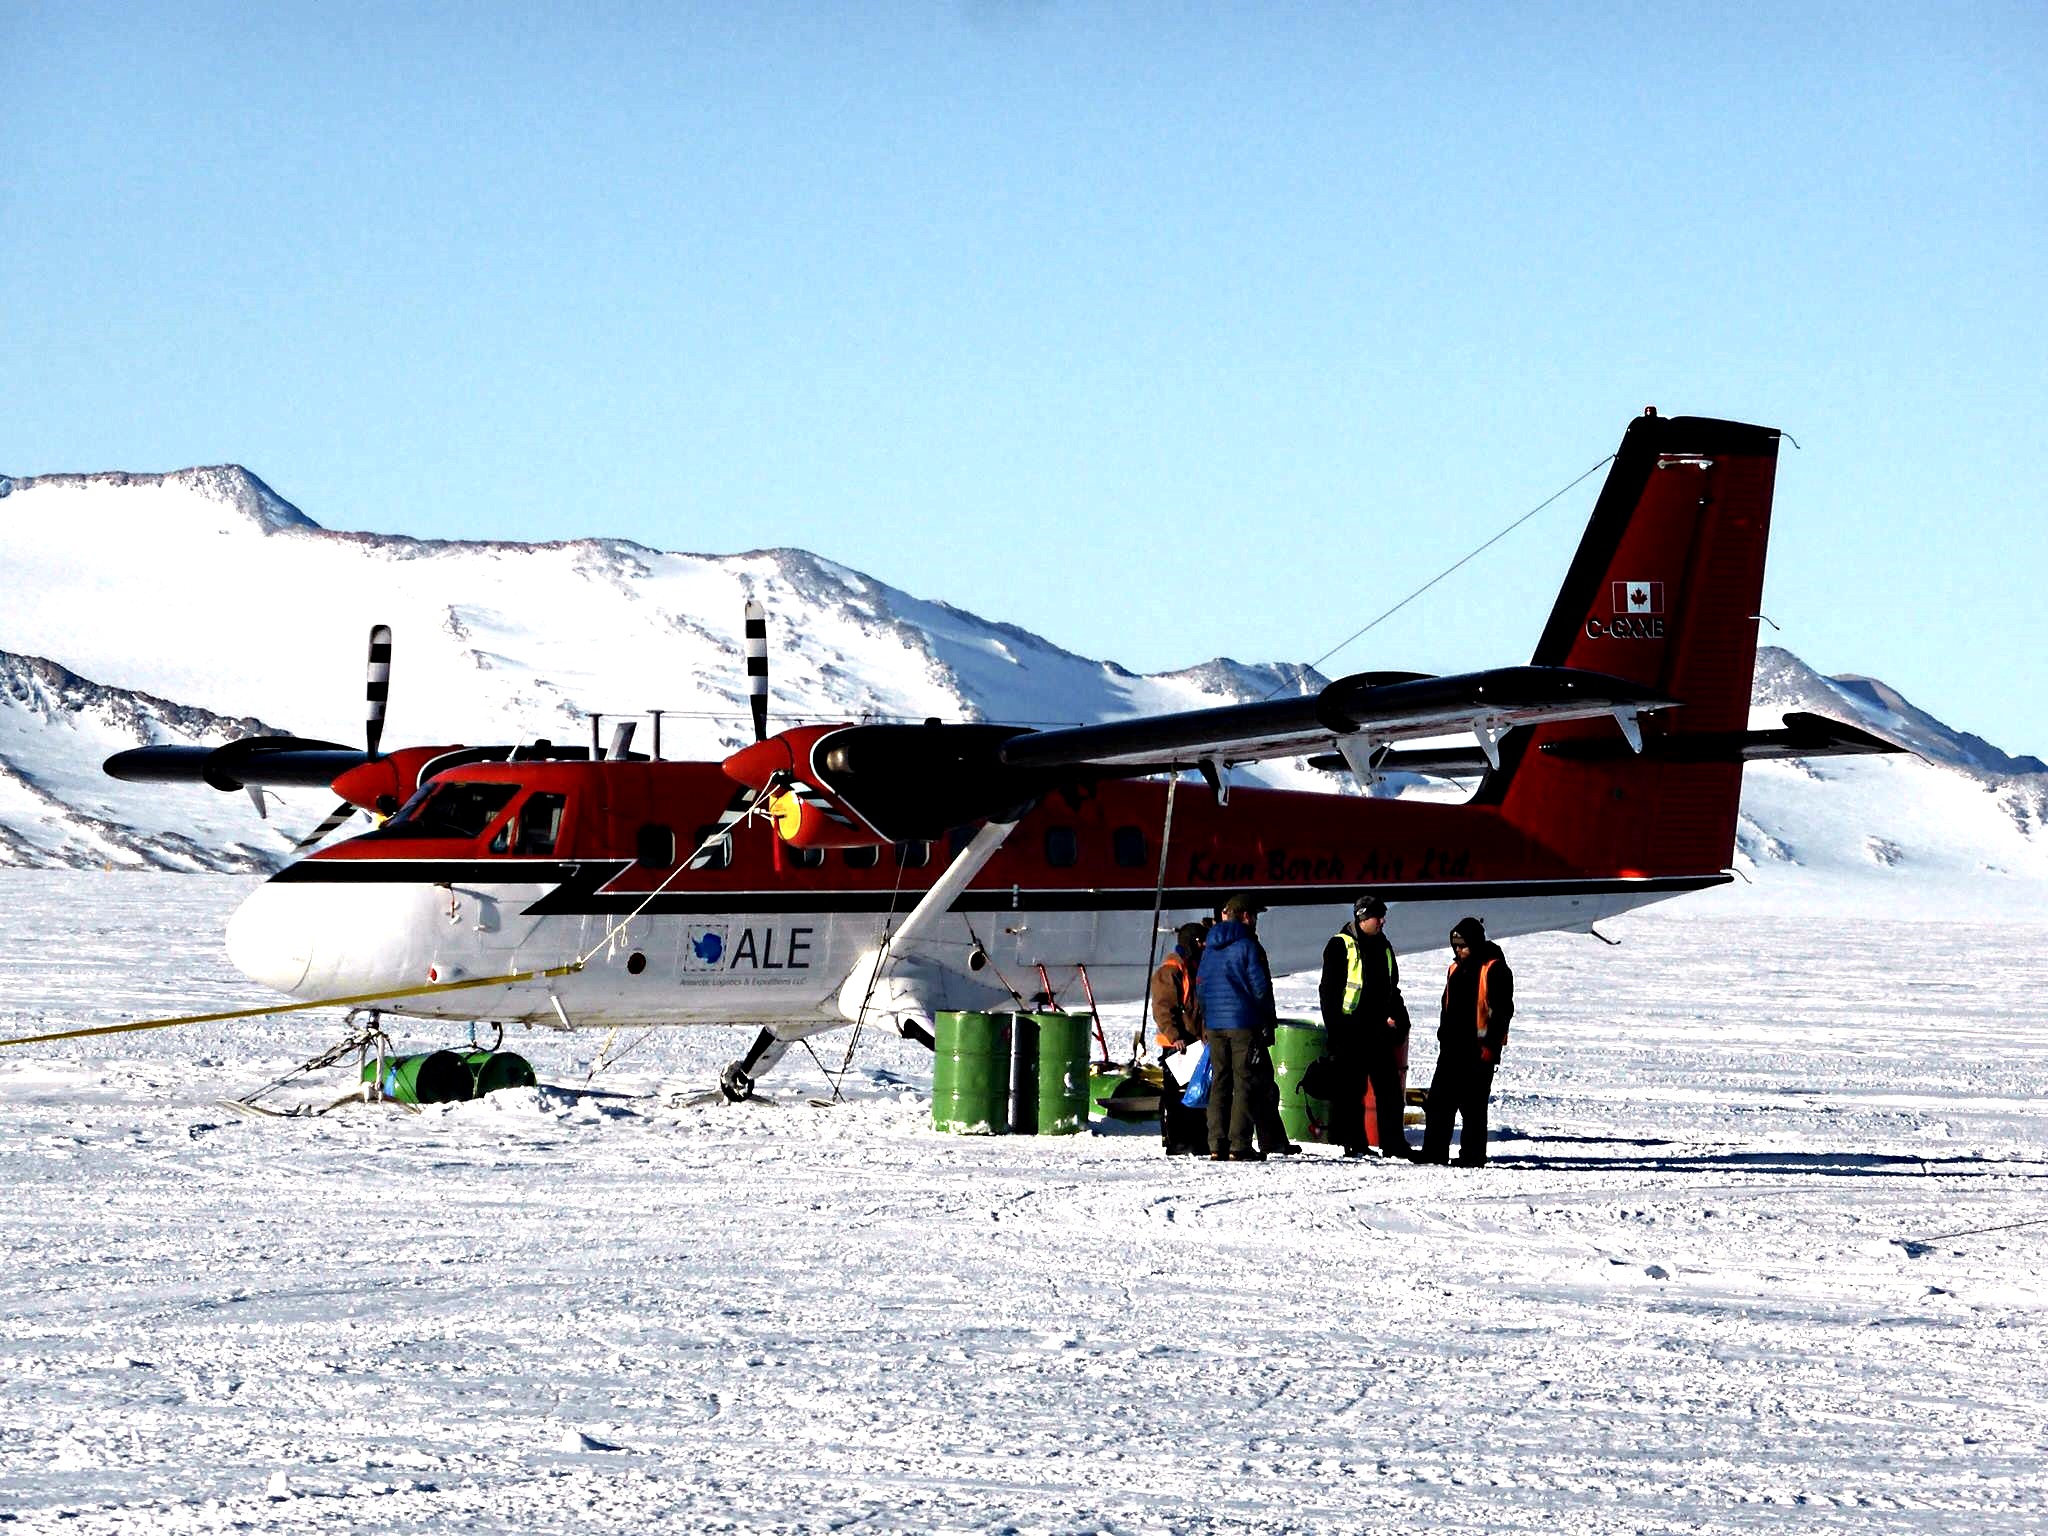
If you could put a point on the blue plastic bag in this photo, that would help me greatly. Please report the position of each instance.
(1196, 1094)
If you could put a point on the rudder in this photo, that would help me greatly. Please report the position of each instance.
(1664, 591)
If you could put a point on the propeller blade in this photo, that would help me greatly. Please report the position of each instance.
(379, 682)
(319, 834)
(757, 666)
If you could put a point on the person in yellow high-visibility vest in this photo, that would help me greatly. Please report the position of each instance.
(1479, 1000)
(1366, 1021)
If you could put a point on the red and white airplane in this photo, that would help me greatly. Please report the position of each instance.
(835, 872)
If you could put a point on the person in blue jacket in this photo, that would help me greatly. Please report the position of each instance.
(1238, 1020)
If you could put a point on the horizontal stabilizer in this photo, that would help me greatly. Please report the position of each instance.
(1429, 762)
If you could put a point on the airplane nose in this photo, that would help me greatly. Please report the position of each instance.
(270, 939)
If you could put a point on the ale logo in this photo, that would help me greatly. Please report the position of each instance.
(703, 948)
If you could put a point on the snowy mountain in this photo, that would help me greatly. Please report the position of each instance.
(1952, 832)
(58, 809)
(1783, 681)
(205, 587)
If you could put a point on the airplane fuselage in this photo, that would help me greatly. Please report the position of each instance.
(765, 933)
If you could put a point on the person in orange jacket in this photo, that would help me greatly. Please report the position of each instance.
(1177, 1025)
(1479, 1000)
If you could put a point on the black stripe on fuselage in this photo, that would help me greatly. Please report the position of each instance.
(579, 890)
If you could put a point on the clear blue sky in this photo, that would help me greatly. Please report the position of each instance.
(1166, 331)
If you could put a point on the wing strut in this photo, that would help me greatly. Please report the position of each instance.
(859, 986)
(736, 1082)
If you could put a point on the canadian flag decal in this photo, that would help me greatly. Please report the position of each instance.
(1639, 597)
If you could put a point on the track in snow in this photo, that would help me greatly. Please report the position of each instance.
(1679, 1300)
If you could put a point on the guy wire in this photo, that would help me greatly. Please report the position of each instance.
(1447, 570)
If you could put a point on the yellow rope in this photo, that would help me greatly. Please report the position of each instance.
(324, 1002)
(421, 991)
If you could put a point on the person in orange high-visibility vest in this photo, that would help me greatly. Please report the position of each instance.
(1479, 1000)
(1177, 1026)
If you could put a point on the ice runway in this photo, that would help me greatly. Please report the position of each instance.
(1705, 1285)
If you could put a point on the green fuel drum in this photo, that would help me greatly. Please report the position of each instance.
(971, 1073)
(1022, 1106)
(492, 1070)
(1296, 1044)
(437, 1077)
(1125, 1093)
(1063, 1040)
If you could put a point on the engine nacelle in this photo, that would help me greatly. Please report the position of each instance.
(383, 784)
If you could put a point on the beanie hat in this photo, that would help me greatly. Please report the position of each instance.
(1471, 930)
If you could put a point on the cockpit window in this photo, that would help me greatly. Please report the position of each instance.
(443, 809)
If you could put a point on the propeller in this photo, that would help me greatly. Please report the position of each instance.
(757, 667)
(377, 693)
(335, 818)
(378, 683)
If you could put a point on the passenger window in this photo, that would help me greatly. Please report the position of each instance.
(803, 858)
(1062, 847)
(540, 823)
(1128, 844)
(866, 856)
(717, 854)
(913, 855)
(655, 847)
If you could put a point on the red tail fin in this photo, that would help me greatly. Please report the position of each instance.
(1664, 591)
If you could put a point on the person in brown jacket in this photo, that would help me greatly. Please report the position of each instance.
(1177, 1024)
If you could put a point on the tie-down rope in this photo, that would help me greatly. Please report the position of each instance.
(425, 989)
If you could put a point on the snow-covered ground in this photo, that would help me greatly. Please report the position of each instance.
(1706, 1284)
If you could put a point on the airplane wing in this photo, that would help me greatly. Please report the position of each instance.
(1368, 708)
